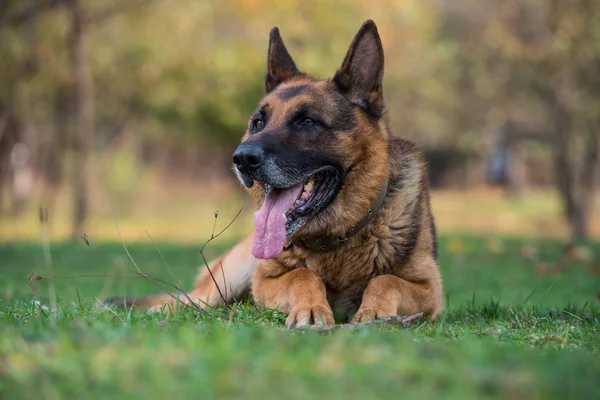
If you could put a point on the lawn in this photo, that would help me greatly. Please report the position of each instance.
(516, 326)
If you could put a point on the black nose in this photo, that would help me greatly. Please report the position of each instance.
(248, 157)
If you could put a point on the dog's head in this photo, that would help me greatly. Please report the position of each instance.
(315, 152)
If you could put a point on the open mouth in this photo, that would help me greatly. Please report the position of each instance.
(285, 210)
(317, 193)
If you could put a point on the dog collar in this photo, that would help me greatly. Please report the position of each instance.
(322, 243)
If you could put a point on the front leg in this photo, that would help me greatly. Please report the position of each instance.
(389, 295)
(298, 292)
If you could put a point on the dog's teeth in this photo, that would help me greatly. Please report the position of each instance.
(308, 186)
(284, 217)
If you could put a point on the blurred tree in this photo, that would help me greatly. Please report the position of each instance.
(533, 68)
(33, 32)
(180, 79)
(84, 106)
(571, 89)
(18, 140)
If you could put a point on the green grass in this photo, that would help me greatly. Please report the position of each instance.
(508, 332)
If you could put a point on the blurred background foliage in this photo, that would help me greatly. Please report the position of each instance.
(102, 100)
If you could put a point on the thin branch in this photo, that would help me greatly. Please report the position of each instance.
(212, 237)
(177, 287)
(171, 272)
(33, 277)
(212, 233)
(224, 281)
(161, 256)
(86, 240)
(156, 281)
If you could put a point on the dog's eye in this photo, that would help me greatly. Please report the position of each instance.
(258, 124)
(307, 122)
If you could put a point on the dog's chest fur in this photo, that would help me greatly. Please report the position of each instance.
(379, 250)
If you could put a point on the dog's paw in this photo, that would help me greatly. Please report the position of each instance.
(303, 316)
(367, 314)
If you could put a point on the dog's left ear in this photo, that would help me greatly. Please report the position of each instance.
(280, 66)
(361, 76)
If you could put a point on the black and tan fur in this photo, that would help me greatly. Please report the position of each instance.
(387, 268)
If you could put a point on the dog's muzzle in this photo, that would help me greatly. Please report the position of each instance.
(248, 157)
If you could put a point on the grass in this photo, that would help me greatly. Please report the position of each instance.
(514, 328)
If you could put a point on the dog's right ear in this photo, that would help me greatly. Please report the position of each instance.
(280, 66)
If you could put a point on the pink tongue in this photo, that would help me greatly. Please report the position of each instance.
(269, 223)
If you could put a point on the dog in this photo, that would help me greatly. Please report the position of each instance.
(343, 223)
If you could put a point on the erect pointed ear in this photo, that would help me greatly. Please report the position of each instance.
(361, 75)
(280, 66)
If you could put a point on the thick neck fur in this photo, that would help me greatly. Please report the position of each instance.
(394, 230)
(369, 172)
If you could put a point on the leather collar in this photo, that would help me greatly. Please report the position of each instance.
(323, 243)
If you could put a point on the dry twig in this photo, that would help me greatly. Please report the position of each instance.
(212, 237)
(177, 287)
(161, 256)
(156, 281)
(34, 277)
(173, 275)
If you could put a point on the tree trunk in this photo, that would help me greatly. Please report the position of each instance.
(84, 105)
(516, 178)
(565, 174)
(584, 194)
(579, 224)
(576, 185)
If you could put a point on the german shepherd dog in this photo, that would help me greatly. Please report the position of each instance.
(344, 222)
